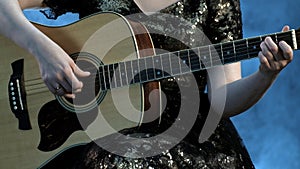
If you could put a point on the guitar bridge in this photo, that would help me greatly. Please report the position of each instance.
(17, 95)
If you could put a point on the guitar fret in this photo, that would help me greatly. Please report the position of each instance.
(109, 76)
(273, 37)
(123, 74)
(234, 51)
(174, 63)
(106, 77)
(241, 50)
(184, 60)
(210, 56)
(215, 56)
(111, 70)
(170, 63)
(166, 64)
(222, 54)
(179, 61)
(119, 76)
(101, 78)
(189, 59)
(199, 58)
(205, 59)
(228, 52)
(143, 70)
(161, 64)
(158, 67)
(254, 47)
(116, 75)
(129, 71)
(136, 71)
(217, 53)
(247, 44)
(260, 38)
(194, 60)
(150, 68)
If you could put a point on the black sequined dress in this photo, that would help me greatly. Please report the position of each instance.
(220, 20)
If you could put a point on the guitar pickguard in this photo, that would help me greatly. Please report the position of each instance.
(56, 124)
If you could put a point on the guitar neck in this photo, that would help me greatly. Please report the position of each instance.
(185, 61)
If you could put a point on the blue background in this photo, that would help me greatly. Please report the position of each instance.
(270, 129)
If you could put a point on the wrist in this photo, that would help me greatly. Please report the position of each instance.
(267, 75)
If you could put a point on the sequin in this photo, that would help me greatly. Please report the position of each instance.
(220, 20)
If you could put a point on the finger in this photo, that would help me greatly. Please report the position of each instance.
(287, 51)
(50, 87)
(70, 95)
(65, 85)
(76, 84)
(53, 87)
(266, 52)
(58, 90)
(285, 28)
(80, 73)
(72, 81)
(273, 48)
(263, 61)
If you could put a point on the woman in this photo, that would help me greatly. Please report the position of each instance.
(220, 20)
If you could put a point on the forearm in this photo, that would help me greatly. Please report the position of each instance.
(244, 93)
(17, 28)
(11, 17)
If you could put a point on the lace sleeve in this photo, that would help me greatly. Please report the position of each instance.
(60, 7)
(225, 20)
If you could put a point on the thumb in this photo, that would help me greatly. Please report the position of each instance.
(285, 28)
(80, 73)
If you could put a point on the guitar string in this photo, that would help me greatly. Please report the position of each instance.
(43, 87)
(249, 53)
(192, 61)
(241, 48)
(230, 48)
(213, 58)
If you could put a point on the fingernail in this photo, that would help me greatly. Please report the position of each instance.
(77, 90)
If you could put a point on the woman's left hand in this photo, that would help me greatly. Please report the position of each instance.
(273, 58)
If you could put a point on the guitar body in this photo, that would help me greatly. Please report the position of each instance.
(35, 125)
(103, 39)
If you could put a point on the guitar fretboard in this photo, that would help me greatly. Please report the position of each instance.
(185, 61)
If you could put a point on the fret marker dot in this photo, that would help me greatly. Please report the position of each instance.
(228, 52)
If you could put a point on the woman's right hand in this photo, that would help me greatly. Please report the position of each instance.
(58, 70)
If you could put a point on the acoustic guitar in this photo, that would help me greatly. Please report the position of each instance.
(35, 125)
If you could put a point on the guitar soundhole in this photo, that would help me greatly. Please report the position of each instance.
(91, 95)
